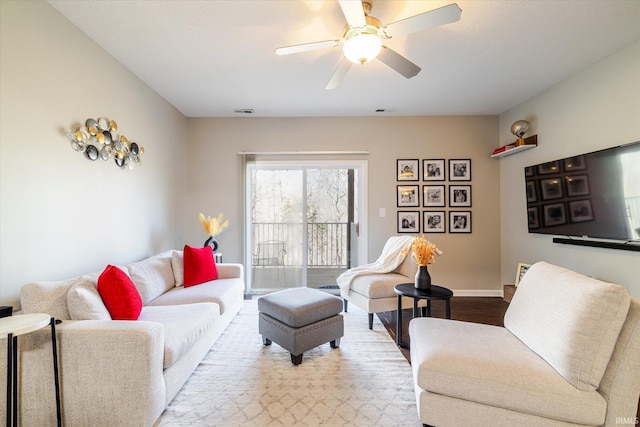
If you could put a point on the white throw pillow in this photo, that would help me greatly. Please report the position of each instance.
(85, 303)
(177, 263)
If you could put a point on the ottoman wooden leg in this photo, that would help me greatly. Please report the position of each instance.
(266, 341)
(296, 360)
(335, 343)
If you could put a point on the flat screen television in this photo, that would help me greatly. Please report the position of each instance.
(594, 195)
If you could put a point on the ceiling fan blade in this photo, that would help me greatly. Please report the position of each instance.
(287, 50)
(398, 62)
(339, 74)
(354, 12)
(424, 21)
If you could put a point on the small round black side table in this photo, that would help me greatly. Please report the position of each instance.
(409, 290)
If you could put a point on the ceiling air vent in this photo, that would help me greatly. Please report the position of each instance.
(244, 111)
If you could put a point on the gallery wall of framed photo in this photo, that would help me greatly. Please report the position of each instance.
(426, 188)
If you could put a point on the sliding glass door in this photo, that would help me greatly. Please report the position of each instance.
(302, 220)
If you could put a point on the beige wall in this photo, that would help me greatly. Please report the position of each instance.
(591, 110)
(471, 261)
(61, 214)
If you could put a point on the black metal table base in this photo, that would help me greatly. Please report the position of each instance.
(409, 290)
(12, 377)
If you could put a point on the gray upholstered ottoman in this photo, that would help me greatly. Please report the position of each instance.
(300, 319)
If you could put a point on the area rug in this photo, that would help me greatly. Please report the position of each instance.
(241, 382)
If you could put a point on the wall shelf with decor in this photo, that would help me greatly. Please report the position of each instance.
(521, 144)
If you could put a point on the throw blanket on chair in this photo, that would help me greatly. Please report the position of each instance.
(393, 254)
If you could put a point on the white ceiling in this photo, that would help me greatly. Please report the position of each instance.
(209, 58)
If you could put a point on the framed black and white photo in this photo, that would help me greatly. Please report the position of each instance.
(434, 221)
(580, 211)
(554, 214)
(533, 217)
(459, 169)
(408, 221)
(575, 163)
(433, 170)
(459, 221)
(528, 171)
(551, 188)
(433, 196)
(577, 185)
(549, 168)
(459, 196)
(531, 192)
(408, 170)
(407, 196)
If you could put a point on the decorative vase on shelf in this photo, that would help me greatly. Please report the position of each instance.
(423, 278)
(213, 242)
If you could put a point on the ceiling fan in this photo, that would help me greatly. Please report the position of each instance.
(363, 38)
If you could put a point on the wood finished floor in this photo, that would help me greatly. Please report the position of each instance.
(489, 311)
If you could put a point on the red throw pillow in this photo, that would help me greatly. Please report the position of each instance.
(199, 265)
(119, 294)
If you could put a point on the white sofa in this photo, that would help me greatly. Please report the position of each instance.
(569, 355)
(121, 373)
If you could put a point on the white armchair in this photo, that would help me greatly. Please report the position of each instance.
(370, 286)
(569, 355)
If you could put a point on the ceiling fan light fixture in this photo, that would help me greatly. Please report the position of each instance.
(361, 45)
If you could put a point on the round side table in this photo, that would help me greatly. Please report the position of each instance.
(11, 327)
(409, 290)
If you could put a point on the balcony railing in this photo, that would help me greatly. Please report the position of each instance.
(280, 244)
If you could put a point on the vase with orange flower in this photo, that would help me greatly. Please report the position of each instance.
(424, 252)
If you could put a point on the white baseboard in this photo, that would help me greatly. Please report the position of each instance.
(477, 293)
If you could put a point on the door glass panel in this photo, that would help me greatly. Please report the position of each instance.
(328, 216)
(276, 228)
(301, 224)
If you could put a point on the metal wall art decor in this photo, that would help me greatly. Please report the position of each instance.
(98, 139)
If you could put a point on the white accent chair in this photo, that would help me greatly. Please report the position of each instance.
(569, 355)
(374, 293)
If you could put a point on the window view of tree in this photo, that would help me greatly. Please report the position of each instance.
(277, 196)
(327, 195)
(278, 203)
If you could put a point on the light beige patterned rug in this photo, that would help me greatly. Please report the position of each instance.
(366, 382)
